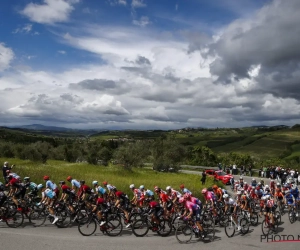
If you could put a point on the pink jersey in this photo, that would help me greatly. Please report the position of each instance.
(137, 193)
(191, 206)
(195, 200)
(209, 196)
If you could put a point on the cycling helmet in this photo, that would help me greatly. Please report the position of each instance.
(100, 201)
(119, 193)
(266, 186)
(204, 191)
(82, 182)
(62, 182)
(215, 187)
(2, 187)
(294, 186)
(181, 186)
(245, 182)
(40, 186)
(95, 183)
(253, 187)
(26, 178)
(225, 196)
(105, 183)
(238, 192)
(46, 178)
(253, 179)
(263, 198)
(241, 178)
(187, 196)
(69, 178)
(131, 186)
(168, 188)
(278, 184)
(272, 181)
(181, 200)
(142, 187)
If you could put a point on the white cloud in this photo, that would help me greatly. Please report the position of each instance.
(50, 12)
(25, 29)
(117, 2)
(143, 21)
(138, 4)
(176, 6)
(6, 56)
(62, 52)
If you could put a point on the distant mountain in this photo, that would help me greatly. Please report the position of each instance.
(43, 127)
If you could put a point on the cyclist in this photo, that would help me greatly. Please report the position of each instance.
(3, 196)
(192, 209)
(69, 193)
(84, 191)
(279, 197)
(289, 199)
(210, 198)
(156, 211)
(74, 182)
(51, 185)
(31, 186)
(218, 193)
(137, 196)
(184, 190)
(253, 182)
(173, 194)
(104, 208)
(111, 189)
(50, 198)
(100, 190)
(231, 205)
(165, 201)
(123, 204)
(20, 191)
(272, 186)
(270, 207)
(146, 193)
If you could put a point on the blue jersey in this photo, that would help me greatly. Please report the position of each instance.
(51, 185)
(75, 183)
(101, 190)
(149, 192)
(185, 190)
(289, 199)
(295, 193)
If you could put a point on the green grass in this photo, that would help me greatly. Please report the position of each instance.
(116, 175)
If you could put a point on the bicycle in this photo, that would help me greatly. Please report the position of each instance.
(185, 231)
(142, 226)
(112, 227)
(231, 226)
(252, 218)
(293, 211)
(12, 217)
(267, 227)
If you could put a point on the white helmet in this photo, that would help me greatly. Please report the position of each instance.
(131, 186)
(95, 183)
(253, 179)
(294, 186)
(241, 178)
(142, 187)
(225, 196)
(245, 182)
(266, 186)
(238, 192)
(264, 197)
(278, 184)
(168, 188)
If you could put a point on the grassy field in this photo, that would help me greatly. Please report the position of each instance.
(115, 175)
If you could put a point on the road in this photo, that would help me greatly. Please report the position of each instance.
(49, 237)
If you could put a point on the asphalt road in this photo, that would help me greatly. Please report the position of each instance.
(49, 237)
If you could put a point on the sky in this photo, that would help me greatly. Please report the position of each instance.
(149, 64)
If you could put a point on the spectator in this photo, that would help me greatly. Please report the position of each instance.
(4, 170)
(250, 170)
(234, 169)
(203, 179)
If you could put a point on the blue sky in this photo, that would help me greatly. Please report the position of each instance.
(148, 64)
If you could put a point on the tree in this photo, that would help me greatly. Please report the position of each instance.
(204, 156)
(167, 154)
(131, 154)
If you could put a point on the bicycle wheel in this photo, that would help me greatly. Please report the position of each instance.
(222, 220)
(114, 226)
(244, 223)
(274, 228)
(81, 216)
(292, 216)
(265, 228)
(14, 219)
(209, 231)
(176, 222)
(278, 217)
(165, 228)
(37, 217)
(88, 228)
(254, 219)
(230, 228)
(134, 217)
(64, 219)
(184, 233)
(140, 228)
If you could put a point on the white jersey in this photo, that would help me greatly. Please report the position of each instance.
(230, 202)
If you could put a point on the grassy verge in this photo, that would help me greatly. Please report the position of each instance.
(117, 176)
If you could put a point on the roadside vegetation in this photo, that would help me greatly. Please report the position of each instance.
(114, 174)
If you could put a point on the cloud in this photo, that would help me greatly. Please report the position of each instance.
(62, 52)
(117, 2)
(138, 4)
(50, 12)
(6, 57)
(25, 29)
(142, 22)
(269, 39)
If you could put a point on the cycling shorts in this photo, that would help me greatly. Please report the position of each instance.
(197, 213)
